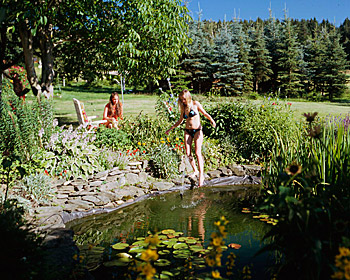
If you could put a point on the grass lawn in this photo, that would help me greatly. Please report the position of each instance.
(96, 98)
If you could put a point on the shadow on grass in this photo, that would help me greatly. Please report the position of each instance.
(87, 89)
(67, 121)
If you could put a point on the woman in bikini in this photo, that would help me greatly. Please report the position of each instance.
(113, 110)
(189, 110)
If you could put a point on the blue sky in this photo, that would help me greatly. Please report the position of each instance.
(333, 10)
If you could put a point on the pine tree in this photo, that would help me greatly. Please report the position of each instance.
(227, 69)
(259, 57)
(290, 62)
(336, 66)
(240, 39)
(344, 29)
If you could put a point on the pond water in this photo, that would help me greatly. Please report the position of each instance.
(192, 212)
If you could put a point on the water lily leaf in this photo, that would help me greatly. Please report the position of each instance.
(168, 231)
(234, 246)
(120, 246)
(196, 248)
(164, 252)
(140, 238)
(182, 239)
(186, 252)
(162, 262)
(180, 246)
(136, 250)
(162, 237)
(168, 273)
(117, 262)
(140, 243)
(178, 233)
(191, 241)
(181, 256)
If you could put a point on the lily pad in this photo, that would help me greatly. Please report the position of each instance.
(118, 262)
(162, 237)
(124, 255)
(136, 250)
(180, 246)
(186, 252)
(120, 246)
(163, 252)
(162, 262)
(140, 243)
(191, 241)
(181, 256)
(168, 231)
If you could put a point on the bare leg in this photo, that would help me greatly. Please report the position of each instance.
(188, 144)
(198, 141)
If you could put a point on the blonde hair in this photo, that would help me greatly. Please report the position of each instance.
(185, 93)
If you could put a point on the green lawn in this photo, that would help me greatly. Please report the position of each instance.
(95, 100)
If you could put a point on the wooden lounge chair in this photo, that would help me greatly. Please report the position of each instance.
(82, 117)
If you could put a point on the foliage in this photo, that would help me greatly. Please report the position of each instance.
(21, 254)
(306, 187)
(37, 187)
(167, 106)
(113, 139)
(164, 161)
(250, 128)
(71, 152)
(109, 159)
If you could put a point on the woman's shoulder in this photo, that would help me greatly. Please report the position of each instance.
(196, 103)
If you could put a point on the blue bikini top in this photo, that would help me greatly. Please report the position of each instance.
(190, 114)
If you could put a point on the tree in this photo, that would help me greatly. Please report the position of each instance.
(344, 30)
(227, 69)
(259, 57)
(290, 62)
(143, 39)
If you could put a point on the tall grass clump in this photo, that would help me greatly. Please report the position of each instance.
(307, 188)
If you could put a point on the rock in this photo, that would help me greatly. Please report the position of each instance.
(66, 189)
(237, 170)
(81, 203)
(48, 210)
(162, 186)
(61, 196)
(70, 207)
(225, 171)
(253, 170)
(214, 174)
(109, 186)
(120, 202)
(101, 175)
(95, 183)
(58, 202)
(67, 183)
(143, 177)
(144, 164)
(131, 178)
(103, 198)
(114, 178)
(110, 195)
(116, 172)
(78, 188)
(134, 163)
(135, 171)
(121, 181)
(92, 199)
(59, 182)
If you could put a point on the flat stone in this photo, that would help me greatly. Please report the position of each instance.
(58, 202)
(114, 178)
(109, 186)
(114, 169)
(95, 183)
(48, 209)
(162, 186)
(94, 199)
(136, 171)
(61, 196)
(225, 171)
(131, 178)
(70, 207)
(65, 189)
(67, 183)
(101, 175)
(237, 170)
(103, 199)
(253, 170)
(214, 174)
(79, 182)
(58, 182)
(144, 164)
(121, 181)
(78, 188)
(120, 202)
(116, 172)
(143, 177)
(134, 163)
(110, 195)
(81, 203)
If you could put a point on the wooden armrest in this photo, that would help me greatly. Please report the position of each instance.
(92, 117)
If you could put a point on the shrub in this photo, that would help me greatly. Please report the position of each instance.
(37, 187)
(164, 161)
(109, 159)
(114, 139)
(70, 152)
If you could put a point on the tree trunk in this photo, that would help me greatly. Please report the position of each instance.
(46, 48)
(27, 44)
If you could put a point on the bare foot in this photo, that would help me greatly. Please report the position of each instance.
(201, 181)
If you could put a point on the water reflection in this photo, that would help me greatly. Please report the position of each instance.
(192, 213)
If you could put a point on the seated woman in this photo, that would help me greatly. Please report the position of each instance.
(113, 111)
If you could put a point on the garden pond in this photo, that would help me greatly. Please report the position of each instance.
(186, 216)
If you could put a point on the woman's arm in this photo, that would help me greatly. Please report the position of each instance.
(105, 114)
(175, 125)
(205, 114)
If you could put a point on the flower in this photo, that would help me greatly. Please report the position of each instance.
(143, 144)
(149, 271)
(216, 274)
(177, 138)
(262, 106)
(310, 117)
(294, 169)
(139, 143)
(149, 254)
(315, 132)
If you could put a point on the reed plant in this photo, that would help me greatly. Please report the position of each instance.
(306, 187)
